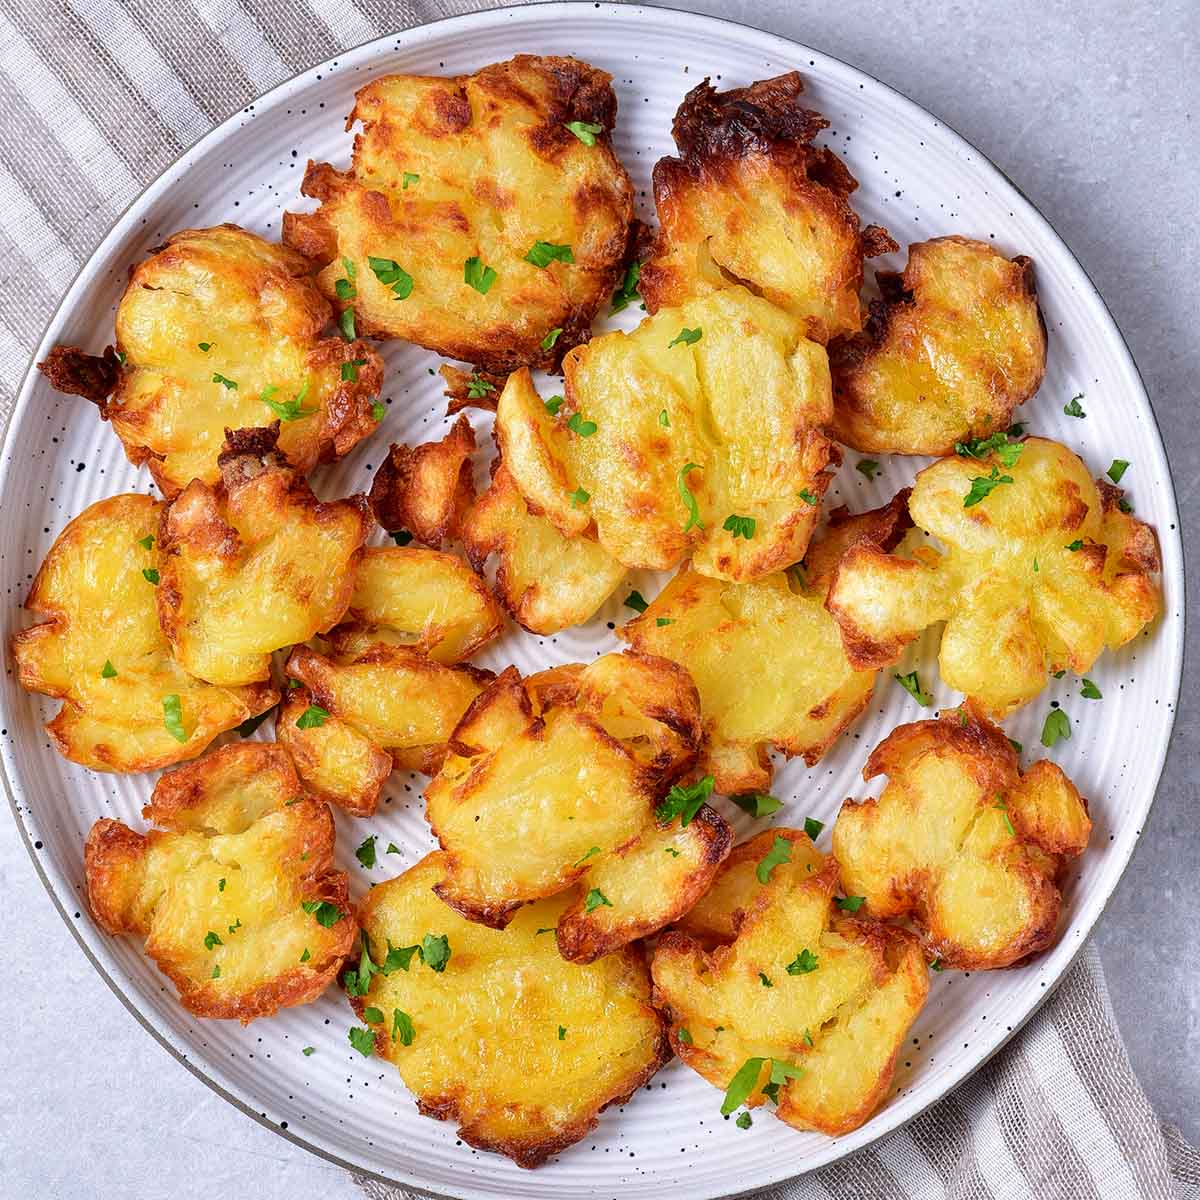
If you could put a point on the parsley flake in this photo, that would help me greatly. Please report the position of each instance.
(579, 496)
(765, 979)
(661, 621)
(313, 717)
(1117, 470)
(758, 805)
(205, 347)
(625, 294)
(739, 527)
(1077, 544)
(1000, 444)
(477, 275)
(664, 420)
(394, 277)
(576, 424)
(398, 958)
(366, 852)
(595, 899)
(685, 494)
(108, 671)
(1016, 745)
(216, 972)
(402, 1028)
(327, 915)
(585, 131)
(1090, 691)
(1002, 805)
(636, 601)
(147, 543)
(683, 1036)
(562, 1033)
(911, 683)
(308, 1051)
(868, 466)
(363, 1040)
(373, 1016)
(813, 827)
(594, 850)
(744, 1121)
(409, 177)
(173, 718)
(478, 387)
(671, 851)
(392, 848)
(550, 338)
(542, 254)
(306, 955)
(378, 411)
(741, 1085)
(807, 496)
(212, 939)
(150, 575)
(287, 410)
(684, 801)
(230, 384)
(1072, 408)
(553, 405)
(435, 951)
(982, 486)
(689, 337)
(346, 324)
(350, 369)
(1057, 727)
(849, 904)
(804, 963)
(780, 852)
(936, 965)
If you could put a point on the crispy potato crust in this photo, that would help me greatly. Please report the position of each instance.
(766, 656)
(551, 785)
(213, 325)
(751, 200)
(255, 564)
(217, 890)
(954, 345)
(731, 420)
(840, 994)
(526, 1086)
(962, 842)
(481, 167)
(1018, 600)
(98, 615)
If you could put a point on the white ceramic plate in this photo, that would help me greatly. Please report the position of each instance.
(919, 179)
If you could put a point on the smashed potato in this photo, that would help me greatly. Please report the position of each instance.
(127, 704)
(766, 657)
(548, 582)
(956, 343)
(1042, 572)
(708, 446)
(361, 714)
(255, 564)
(803, 1006)
(520, 1048)
(235, 892)
(962, 842)
(751, 200)
(219, 330)
(474, 220)
(553, 784)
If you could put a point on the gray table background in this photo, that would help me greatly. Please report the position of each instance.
(1092, 110)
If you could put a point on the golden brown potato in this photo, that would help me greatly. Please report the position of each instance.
(548, 582)
(804, 1006)
(382, 707)
(961, 841)
(956, 343)
(751, 200)
(255, 564)
(127, 704)
(497, 1031)
(235, 892)
(709, 447)
(1042, 572)
(222, 330)
(766, 656)
(553, 785)
(410, 596)
(426, 489)
(473, 220)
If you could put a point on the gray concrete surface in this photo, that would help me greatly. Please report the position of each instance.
(1091, 109)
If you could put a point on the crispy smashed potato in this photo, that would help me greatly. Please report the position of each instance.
(956, 343)
(221, 330)
(426, 489)
(235, 892)
(377, 708)
(100, 650)
(962, 842)
(255, 564)
(548, 582)
(709, 447)
(473, 220)
(766, 657)
(1041, 573)
(410, 596)
(522, 1049)
(553, 784)
(751, 200)
(819, 1001)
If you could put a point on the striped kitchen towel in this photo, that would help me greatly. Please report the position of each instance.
(97, 97)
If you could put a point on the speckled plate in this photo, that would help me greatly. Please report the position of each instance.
(919, 179)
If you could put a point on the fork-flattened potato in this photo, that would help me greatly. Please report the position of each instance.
(255, 564)
(1040, 575)
(474, 221)
(553, 784)
(728, 422)
(956, 343)
(751, 200)
(222, 330)
(766, 656)
(798, 987)
(218, 889)
(518, 1046)
(384, 707)
(548, 582)
(962, 842)
(100, 650)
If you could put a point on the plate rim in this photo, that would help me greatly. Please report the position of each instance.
(602, 9)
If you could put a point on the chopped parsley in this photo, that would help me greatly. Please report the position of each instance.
(579, 496)
(477, 275)
(212, 939)
(150, 575)
(306, 955)
(636, 601)
(220, 885)
(205, 347)
(108, 671)
(1124, 505)
(350, 369)
(1002, 805)
(661, 621)
(542, 254)
(346, 324)
(392, 848)
(216, 972)
(313, 717)
(173, 718)
(576, 424)
(378, 411)
(758, 805)
(804, 963)
(741, 1085)
(327, 915)
(1077, 544)
(849, 904)
(394, 277)
(807, 496)
(287, 410)
(780, 852)
(765, 979)
(363, 1040)
(982, 486)
(1090, 691)
(683, 1036)
(911, 683)
(373, 1016)
(739, 527)
(685, 494)
(478, 387)
(562, 1033)
(585, 131)
(1016, 745)
(398, 958)
(553, 405)
(308, 1051)
(1072, 408)
(936, 965)
(868, 466)
(813, 827)
(744, 1120)
(552, 337)
(147, 543)
(624, 295)
(229, 384)
(1057, 727)
(1005, 449)
(689, 337)
(409, 177)
(595, 899)
(435, 951)
(664, 420)
(402, 1028)
(684, 801)
(366, 852)
(594, 850)
(1117, 470)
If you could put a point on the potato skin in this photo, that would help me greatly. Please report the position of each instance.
(497, 170)
(962, 842)
(1018, 602)
(955, 344)
(513, 1083)
(254, 565)
(751, 198)
(869, 979)
(256, 307)
(97, 608)
(240, 848)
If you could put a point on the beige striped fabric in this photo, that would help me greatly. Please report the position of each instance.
(97, 97)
